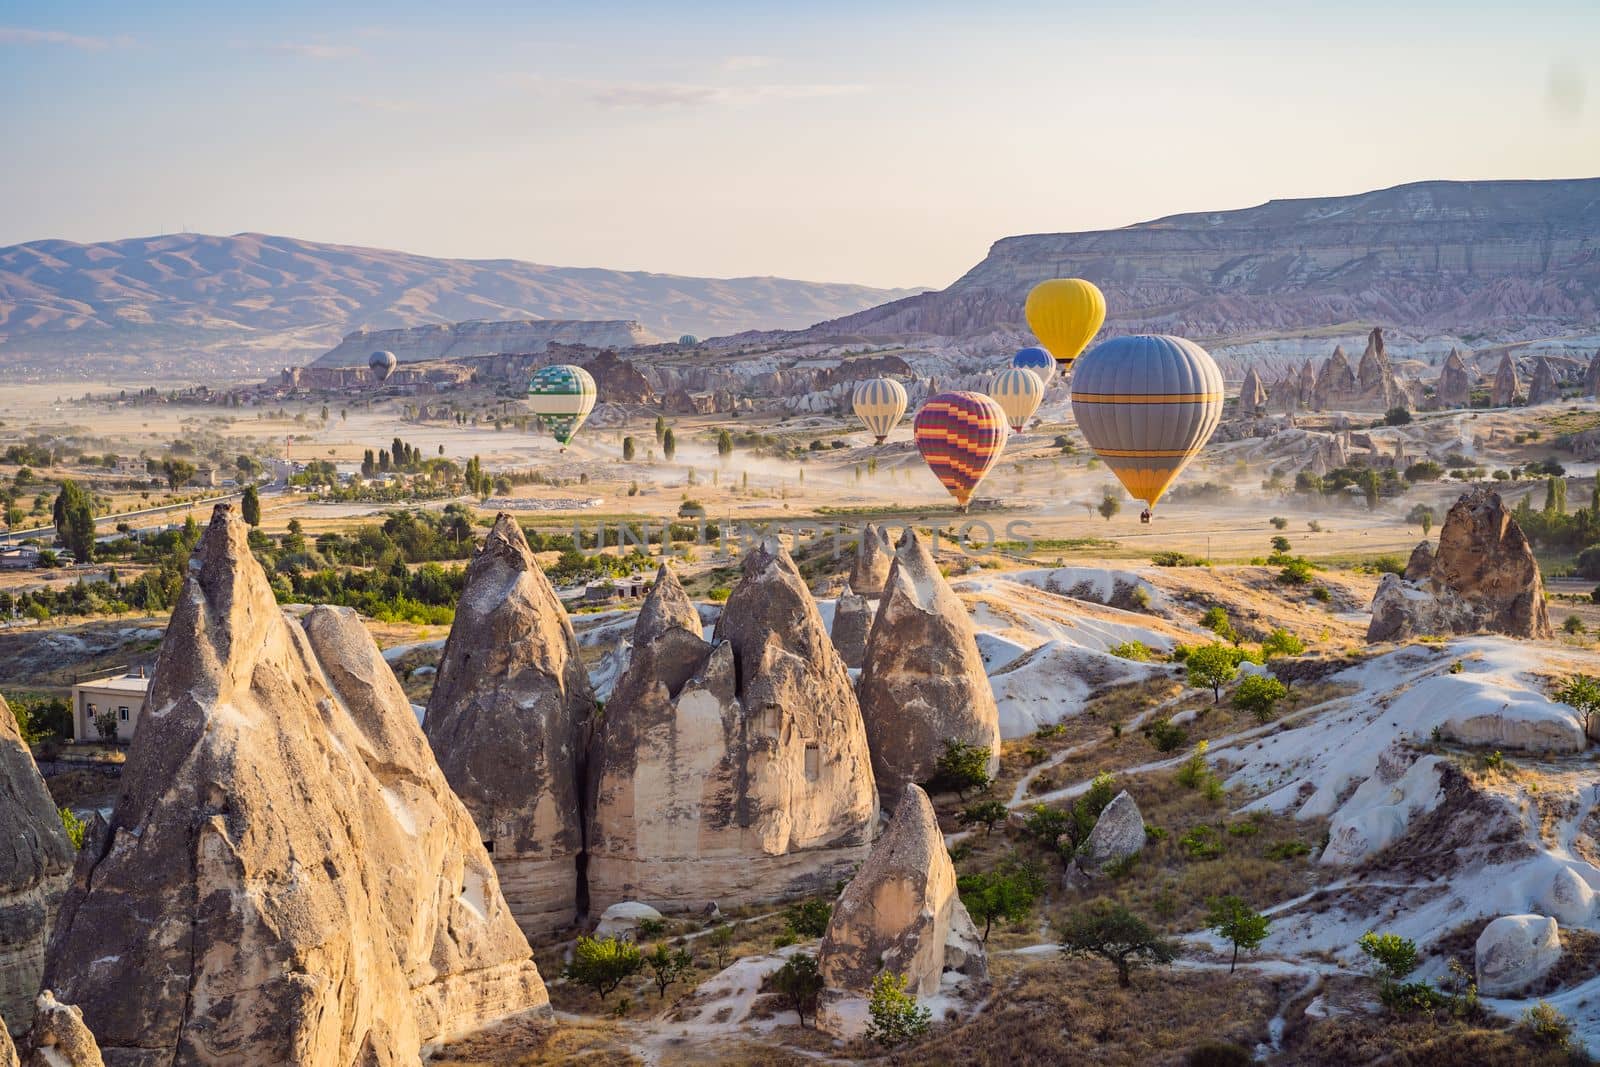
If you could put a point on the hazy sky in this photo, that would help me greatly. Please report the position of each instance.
(885, 143)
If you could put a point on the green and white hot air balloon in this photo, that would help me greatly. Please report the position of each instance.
(561, 397)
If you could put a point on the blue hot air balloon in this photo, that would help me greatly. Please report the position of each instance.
(1037, 360)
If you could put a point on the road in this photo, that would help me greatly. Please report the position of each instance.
(11, 537)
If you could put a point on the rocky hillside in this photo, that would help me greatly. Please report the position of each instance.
(195, 304)
(465, 339)
(1504, 259)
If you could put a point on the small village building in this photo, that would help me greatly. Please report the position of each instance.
(120, 695)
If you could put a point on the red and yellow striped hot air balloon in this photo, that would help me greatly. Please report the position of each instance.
(960, 436)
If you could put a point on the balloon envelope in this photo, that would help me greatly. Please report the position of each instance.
(880, 403)
(1038, 360)
(562, 397)
(960, 436)
(688, 340)
(1147, 405)
(1065, 314)
(382, 365)
(1019, 392)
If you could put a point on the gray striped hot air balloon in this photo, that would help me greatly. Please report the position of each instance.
(1019, 392)
(1147, 405)
(880, 403)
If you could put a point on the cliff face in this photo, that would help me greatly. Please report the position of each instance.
(482, 338)
(1509, 257)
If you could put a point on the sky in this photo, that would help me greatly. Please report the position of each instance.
(883, 143)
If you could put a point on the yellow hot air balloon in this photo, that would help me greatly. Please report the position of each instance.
(879, 403)
(1065, 314)
(1019, 393)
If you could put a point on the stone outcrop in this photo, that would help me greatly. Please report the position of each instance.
(8, 1051)
(623, 918)
(1483, 577)
(852, 622)
(35, 862)
(1371, 385)
(923, 682)
(1591, 376)
(874, 557)
(1514, 951)
(730, 770)
(1545, 388)
(1568, 898)
(1118, 834)
(1336, 381)
(483, 337)
(1252, 395)
(508, 722)
(898, 914)
(1506, 388)
(286, 878)
(58, 1037)
(1454, 388)
(618, 380)
(1419, 567)
(1307, 391)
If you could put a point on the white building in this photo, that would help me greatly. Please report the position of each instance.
(121, 696)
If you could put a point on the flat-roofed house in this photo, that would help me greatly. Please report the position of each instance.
(120, 695)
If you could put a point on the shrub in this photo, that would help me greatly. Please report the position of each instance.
(721, 942)
(1411, 998)
(985, 814)
(799, 983)
(1296, 572)
(960, 767)
(1216, 620)
(667, 967)
(1201, 842)
(650, 929)
(1281, 642)
(1212, 667)
(894, 1014)
(1572, 624)
(1192, 774)
(1320, 593)
(1137, 651)
(1258, 694)
(1166, 735)
(1114, 934)
(719, 594)
(1279, 522)
(1581, 693)
(1281, 543)
(1547, 1025)
(76, 828)
(809, 918)
(1393, 956)
(603, 964)
(1008, 892)
(1181, 559)
(1396, 417)
(1287, 850)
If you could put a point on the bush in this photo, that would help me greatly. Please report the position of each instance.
(1192, 774)
(1411, 998)
(1296, 572)
(1233, 920)
(1573, 625)
(649, 929)
(76, 828)
(894, 1014)
(1166, 735)
(1258, 694)
(1201, 842)
(1137, 651)
(1393, 956)
(1215, 619)
(984, 814)
(667, 967)
(1212, 667)
(1547, 1025)
(960, 767)
(799, 983)
(1180, 559)
(809, 918)
(1008, 892)
(1287, 850)
(719, 594)
(603, 964)
(1281, 642)
(1396, 417)
(1279, 522)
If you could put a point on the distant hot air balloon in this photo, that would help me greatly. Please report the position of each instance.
(1147, 405)
(688, 340)
(1065, 314)
(1037, 360)
(880, 403)
(960, 436)
(1019, 392)
(562, 397)
(382, 365)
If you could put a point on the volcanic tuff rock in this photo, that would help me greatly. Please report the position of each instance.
(34, 866)
(287, 878)
(1252, 394)
(1454, 389)
(1483, 577)
(872, 562)
(1506, 386)
(8, 1051)
(731, 770)
(1514, 951)
(1591, 376)
(481, 337)
(58, 1037)
(508, 721)
(922, 683)
(1420, 566)
(899, 913)
(1545, 389)
(852, 622)
(1118, 833)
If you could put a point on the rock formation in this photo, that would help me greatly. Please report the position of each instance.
(58, 1037)
(1419, 567)
(1591, 377)
(1483, 577)
(873, 559)
(481, 337)
(735, 770)
(1514, 951)
(286, 878)
(1252, 395)
(1118, 833)
(622, 920)
(1506, 387)
(1454, 389)
(618, 380)
(922, 683)
(852, 622)
(508, 722)
(1307, 392)
(900, 913)
(1372, 385)
(1544, 389)
(1568, 898)
(1374, 365)
(1336, 381)
(34, 866)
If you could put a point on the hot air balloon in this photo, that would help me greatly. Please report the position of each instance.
(1147, 405)
(688, 340)
(562, 397)
(880, 403)
(1065, 314)
(1019, 392)
(960, 436)
(1037, 360)
(382, 365)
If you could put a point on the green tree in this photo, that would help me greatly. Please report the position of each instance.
(1110, 504)
(960, 767)
(1280, 544)
(603, 964)
(1393, 956)
(1212, 667)
(894, 1014)
(1581, 693)
(1281, 642)
(809, 918)
(1113, 933)
(628, 449)
(724, 444)
(177, 472)
(75, 827)
(669, 444)
(1370, 484)
(985, 814)
(74, 520)
(1216, 620)
(250, 506)
(1236, 922)
(1258, 694)
(667, 966)
(1421, 515)
(799, 983)
(1279, 522)
(661, 429)
(1008, 892)
(1555, 496)
(1396, 417)
(721, 942)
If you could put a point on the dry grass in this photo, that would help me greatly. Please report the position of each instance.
(1362, 1039)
